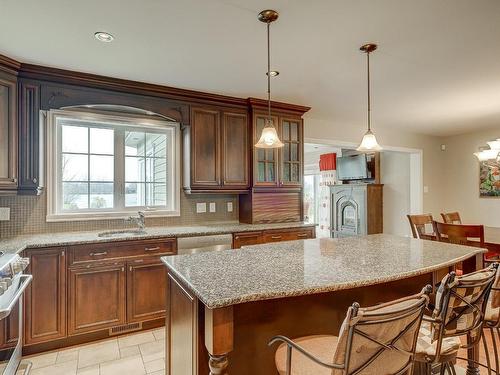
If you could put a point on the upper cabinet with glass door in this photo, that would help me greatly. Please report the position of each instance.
(279, 167)
(8, 133)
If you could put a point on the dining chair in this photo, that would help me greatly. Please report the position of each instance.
(451, 218)
(459, 311)
(374, 340)
(470, 235)
(420, 224)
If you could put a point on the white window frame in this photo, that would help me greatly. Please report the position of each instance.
(54, 214)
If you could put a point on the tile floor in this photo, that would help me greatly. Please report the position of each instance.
(135, 354)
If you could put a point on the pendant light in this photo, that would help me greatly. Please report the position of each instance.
(369, 142)
(269, 137)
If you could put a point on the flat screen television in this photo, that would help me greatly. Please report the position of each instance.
(352, 167)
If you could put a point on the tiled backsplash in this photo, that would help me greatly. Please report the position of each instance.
(27, 215)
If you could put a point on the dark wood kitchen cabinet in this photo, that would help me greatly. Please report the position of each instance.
(31, 139)
(45, 297)
(279, 167)
(146, 290)
(96, 297)
(8, 133)
(219, 151)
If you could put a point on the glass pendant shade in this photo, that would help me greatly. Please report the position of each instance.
(269, 137)
(369, 143)
(494, 145)
(486, 155)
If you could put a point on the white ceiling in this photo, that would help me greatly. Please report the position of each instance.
(437, 70)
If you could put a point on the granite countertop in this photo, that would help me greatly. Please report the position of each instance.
(312, 266)
(19, 243)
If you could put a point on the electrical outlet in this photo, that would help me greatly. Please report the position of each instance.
(201, 208)
(4, 213)
(212, 207)
(229, 206)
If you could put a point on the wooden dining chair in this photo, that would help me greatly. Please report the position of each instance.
(470, 235)
(451, 218)
(418, 225)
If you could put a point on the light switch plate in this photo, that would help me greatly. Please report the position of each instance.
(4, 213)
(201, 208)
(212, 207)
(229, 206)
(426, 189)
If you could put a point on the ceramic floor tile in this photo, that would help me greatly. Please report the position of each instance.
(43, 360)
(66, 368)
(67, 355)
(129, 366)
(159, 333)
(98, 353)
(152, 350)
(91, 370)
(156, 365)
(137, 339)
(129, 351)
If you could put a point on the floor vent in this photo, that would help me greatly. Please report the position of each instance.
(125, 328)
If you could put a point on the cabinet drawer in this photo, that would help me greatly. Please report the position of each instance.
(246, 239)
(119, 250)
(288, 235)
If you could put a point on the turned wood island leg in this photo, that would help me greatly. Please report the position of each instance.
(219, 338)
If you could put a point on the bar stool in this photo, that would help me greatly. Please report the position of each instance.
(492, 323)
(375, 340)
(418, 224)
(460, 307)
(451, 218)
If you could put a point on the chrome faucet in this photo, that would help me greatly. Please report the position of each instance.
(139, 221)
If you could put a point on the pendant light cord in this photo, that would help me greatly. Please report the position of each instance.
(268, 73)
(369, 101)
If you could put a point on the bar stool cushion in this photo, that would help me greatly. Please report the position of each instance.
(322, 347)
(491, 315)
(426, 346)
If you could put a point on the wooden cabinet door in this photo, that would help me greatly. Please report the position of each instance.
(205, 148)
(246, 239)
(146, 290)
(265, 160)
(235, 150)
(30, 140)
(8, 133)
(96, 298)
(291, 160)
(45, 297)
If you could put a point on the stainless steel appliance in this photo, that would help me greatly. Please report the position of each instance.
(200, 244)
(13, 283)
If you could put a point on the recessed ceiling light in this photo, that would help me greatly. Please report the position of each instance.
(103, 36)
(273, 73)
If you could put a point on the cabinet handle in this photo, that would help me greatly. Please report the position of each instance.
(237, 237)
(62, 253)
(14, 180)
(276, 237)
(130, 268)
(302, 235)
(98, 254)
(123, 269)
(35, 180)
(152, 248)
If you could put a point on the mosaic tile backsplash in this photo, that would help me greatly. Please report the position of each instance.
(27, 215)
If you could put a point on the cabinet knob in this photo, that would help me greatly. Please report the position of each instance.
(35, 180)
(14, 180)
(237, 237)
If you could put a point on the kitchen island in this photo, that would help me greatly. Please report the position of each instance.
(223, 307)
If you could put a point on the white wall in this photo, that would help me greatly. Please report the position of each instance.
(395, 175)
(461, 178)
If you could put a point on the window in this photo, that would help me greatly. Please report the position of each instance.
(106, 166)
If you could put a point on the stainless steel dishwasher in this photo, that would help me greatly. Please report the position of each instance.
(201, 244)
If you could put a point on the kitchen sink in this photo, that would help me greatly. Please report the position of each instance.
(122, 233)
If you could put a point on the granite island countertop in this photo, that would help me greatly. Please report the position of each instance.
(19, 243)
(294, 268)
